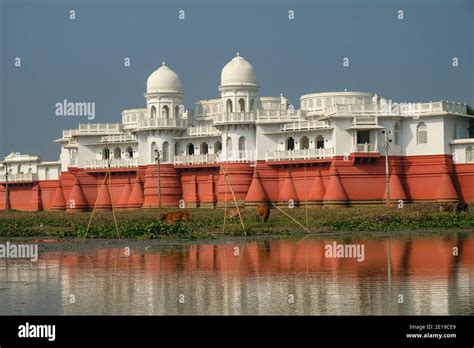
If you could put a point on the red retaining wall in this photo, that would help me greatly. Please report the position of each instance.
(335, 181)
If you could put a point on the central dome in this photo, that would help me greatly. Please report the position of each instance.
(163, 80)
(238, 72)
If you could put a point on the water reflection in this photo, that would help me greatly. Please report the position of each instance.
(257, 277)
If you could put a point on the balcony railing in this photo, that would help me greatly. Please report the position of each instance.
(203, 131)
(291, 155)
(395, 108)
(365, 148)
(93, 128)
(20, 177)
(119, 138)
(162, 123)
(131, 117)
(234, 118)
(114, 163)
(232, 156)
(195, 159)
(304, 125)
(278, 115)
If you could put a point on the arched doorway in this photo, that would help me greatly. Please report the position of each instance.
(165, 111)
(241, 105)
(117, 153)
(204, 148)
(190, 149)
(166, 152)
(228, 105)
(217, 147)
(320, 142)
(242, 147)
(290, 143)
(304, 143)
(105, 153)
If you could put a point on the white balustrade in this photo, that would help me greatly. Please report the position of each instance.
(195, 159)
(306, 154)
(395, 108)
(119, 138)
(114, 163)
(366, 147)
(304, 125)
(162, 123)
(234, 117)
(20, 177)
(203, 130)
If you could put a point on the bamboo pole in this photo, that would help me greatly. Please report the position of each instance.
(236, 205)
(294, 220)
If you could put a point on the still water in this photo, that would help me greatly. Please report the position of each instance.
(237, 276)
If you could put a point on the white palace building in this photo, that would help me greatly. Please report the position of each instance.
(240, 126)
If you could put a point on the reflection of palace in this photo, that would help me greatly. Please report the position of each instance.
(213, 280)
(264, 142)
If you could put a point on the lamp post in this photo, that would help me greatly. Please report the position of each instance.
(386, 144)
(7, 189)
(157, 158)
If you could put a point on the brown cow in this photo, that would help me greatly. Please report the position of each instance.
(446, 207)
(232, 214)
(263, 211)
(174, 216)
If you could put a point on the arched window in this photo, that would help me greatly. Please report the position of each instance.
(456, 130)
(30, 170)
(290, 143)
(165, 111)
(190, 149)
(421, 133)
(129, 152)
(176, 149)
(241, 105)
(153, 151)
(217, 147)
(46, 173)
(117, 153)
(204, 148)
(166, 151)
(396, 133)
(19, 169)
(469, 157)
(176, 111)
(304, 143)
(105, 153)
(242, 147)
(153, 112)
(252, 105)
(228, 105)
(229, 144)
(320, 142)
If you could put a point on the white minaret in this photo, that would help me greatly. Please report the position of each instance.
(164, 93)
(165, 118)
(238, 90)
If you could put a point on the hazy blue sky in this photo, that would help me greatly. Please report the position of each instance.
(82, 59)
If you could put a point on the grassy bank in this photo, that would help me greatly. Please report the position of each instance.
(208, 223)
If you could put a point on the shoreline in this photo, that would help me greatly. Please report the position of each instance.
(207, 224)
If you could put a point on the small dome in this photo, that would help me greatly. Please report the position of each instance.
(163, 80)
(238, 72)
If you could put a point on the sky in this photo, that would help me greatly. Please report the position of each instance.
(82, 60)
